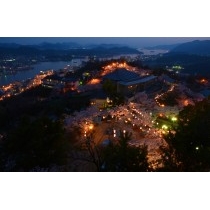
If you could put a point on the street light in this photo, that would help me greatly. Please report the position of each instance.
(91, 127)
(165, 127)
(174, 119)
(124, 131)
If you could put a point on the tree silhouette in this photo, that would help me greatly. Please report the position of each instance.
(191, 139)
(116, 156)
(123, 157)
(38, 143)
(109, 87)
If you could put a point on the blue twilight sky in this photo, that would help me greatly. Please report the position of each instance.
(129, 41)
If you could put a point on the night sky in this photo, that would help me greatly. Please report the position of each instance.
(129, 41)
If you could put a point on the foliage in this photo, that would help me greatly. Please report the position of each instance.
(169, 99)
(29, 103)
(111, 89)
(38, 143)
(3, 116)
(126, 158)
(169, 159)
(191, 139)
(118, 157)
(136, 63)
(38, 91)
(159, 71)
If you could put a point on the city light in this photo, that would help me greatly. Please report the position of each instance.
(174, 119)
(115, 65)
(91, 127)
(165, 127)
(146, 120)
(94, 81)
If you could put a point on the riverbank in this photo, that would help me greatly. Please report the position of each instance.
(30, 73)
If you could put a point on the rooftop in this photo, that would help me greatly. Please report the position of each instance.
(122, 75)
(138, 81)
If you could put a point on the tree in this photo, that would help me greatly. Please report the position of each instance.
(125, 158)
(3, 116)
(169, 159)
(169, 99)
(191, 139)
(109, 87)
(111, 90)
(115, 157)
(95, 153)
(89, 152)
(38, 143)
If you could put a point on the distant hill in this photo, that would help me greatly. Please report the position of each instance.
(9, 45)
(18, 50)
(163, 47)
(64, 46)
(115, 50)
(191, 63)
(58, 46)
(58, 51)
(195, 47)
(105, 46)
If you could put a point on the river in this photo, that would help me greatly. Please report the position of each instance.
(23, 75)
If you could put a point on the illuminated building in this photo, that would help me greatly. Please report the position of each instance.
(129, 82)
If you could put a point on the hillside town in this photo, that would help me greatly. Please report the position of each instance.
(123, 98)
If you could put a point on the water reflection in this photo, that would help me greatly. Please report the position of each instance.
(23, 75)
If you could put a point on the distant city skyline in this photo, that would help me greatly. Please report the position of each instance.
(137, 42)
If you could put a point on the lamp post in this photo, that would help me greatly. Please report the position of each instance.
(124, 131)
